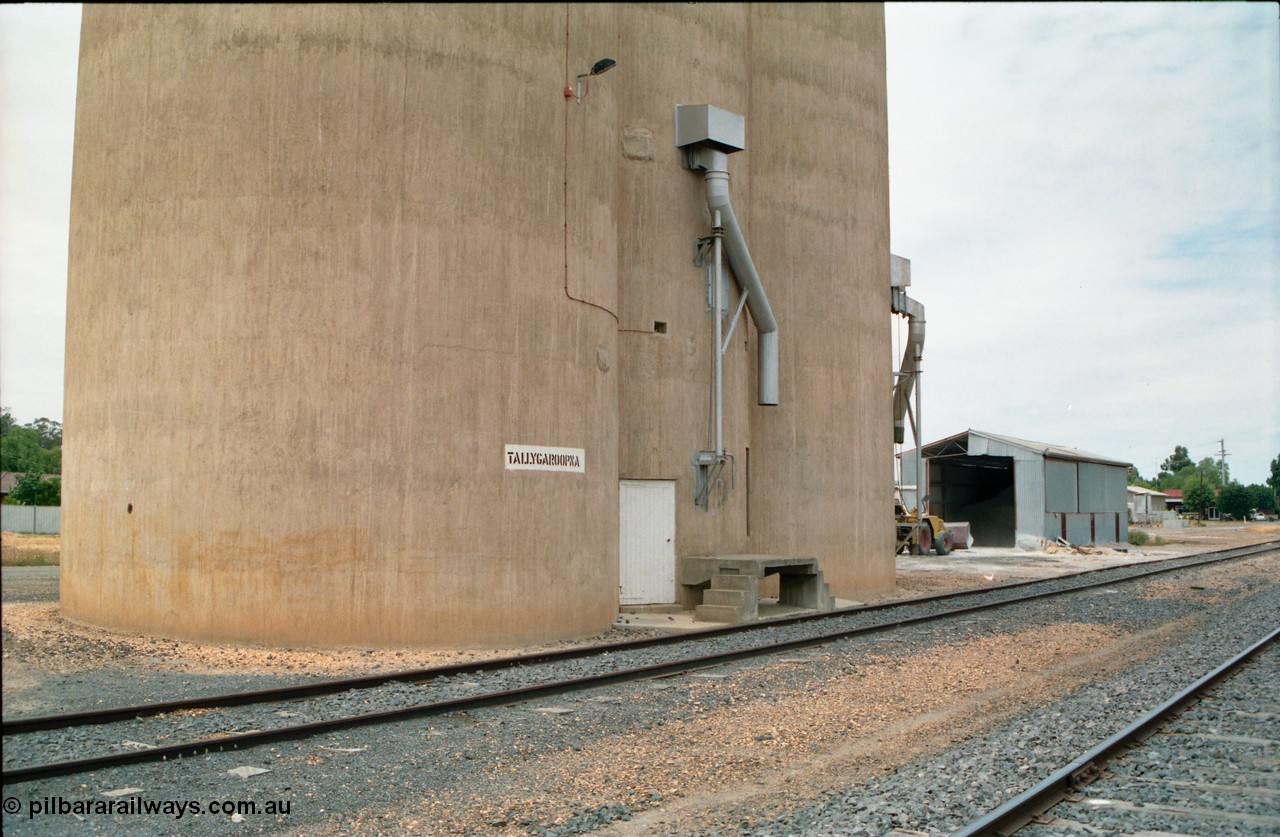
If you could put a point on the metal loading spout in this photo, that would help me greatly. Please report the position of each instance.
(911, 365)
(907, 380)
(708, 136)
(716, 165)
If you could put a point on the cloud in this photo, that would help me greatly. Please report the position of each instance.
(1088, 197)
(39, 47)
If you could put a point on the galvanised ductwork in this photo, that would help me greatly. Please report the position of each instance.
(911, 360)
(908, 378)
(709, 134)
(744, 269)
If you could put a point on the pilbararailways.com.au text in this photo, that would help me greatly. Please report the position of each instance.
(138, 806)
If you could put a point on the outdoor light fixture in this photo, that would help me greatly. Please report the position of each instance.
(602, 66)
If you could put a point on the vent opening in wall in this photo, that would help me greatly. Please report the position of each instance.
(659, 327)
(128, 509)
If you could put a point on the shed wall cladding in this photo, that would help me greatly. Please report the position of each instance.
(1085, 502)
(344, 309)
(1098, 487)
(1029, 494)
(1061, 486)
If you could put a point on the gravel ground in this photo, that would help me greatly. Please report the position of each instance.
(777, 746)
(941, 792)
(1219, 756)
(208, 723)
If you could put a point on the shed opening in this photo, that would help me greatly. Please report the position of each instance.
(977, 489)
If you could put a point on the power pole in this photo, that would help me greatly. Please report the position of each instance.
(1222, 462)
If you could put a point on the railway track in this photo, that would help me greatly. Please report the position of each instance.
(1202, 761)
(333, 705)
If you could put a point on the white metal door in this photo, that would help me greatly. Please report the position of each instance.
(647, 545)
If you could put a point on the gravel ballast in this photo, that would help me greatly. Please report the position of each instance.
(181, 727)
(629, 757)
(943, 792)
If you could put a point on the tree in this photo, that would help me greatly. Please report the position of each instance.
(1207, 470)
(1274, 479)
(20, 451)
(1135, 478)
(1198, 497)
(31, 490)
(1235, 500)
(30, 448)
(1177, 462)
(1199, 485)
(1261, 498)
(48, 432)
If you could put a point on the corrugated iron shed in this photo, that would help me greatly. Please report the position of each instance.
(1009, 489)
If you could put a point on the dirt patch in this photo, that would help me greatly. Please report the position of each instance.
(924, 583)
(758, 747)
(19, 550)
(43, 643)
(1214, 535)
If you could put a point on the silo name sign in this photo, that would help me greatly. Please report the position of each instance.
(535, 458)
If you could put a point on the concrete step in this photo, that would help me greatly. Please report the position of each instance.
(717, 613)
(733, 598)
(732, 581)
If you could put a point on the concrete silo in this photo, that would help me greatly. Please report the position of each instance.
(367, 318)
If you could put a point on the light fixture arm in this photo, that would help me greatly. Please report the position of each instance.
(604, 65)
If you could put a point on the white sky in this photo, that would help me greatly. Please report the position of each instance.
(1088, 194)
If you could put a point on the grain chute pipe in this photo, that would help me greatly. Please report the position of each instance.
(744, 270)
(908, 380)
(911, 361)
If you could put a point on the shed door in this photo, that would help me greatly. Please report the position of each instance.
(647, 547)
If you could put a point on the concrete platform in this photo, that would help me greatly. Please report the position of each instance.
(726, 588)
(699, 569)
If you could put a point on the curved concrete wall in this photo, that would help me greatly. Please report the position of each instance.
(811, 191)
(327, 261)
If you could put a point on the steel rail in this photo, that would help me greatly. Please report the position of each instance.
(17, 726)
(1020, 810)
(527, 693)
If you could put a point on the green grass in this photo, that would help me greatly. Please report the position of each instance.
(30, 559)
(1143, 539)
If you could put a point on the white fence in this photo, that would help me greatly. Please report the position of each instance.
(31, 520)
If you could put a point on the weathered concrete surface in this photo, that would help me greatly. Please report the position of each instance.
(326, 261)
(811, 193)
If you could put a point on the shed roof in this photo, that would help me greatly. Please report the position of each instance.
(1137, 489)
(961, 443)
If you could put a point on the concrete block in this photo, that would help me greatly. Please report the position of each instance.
(726, 581)
(734, 598)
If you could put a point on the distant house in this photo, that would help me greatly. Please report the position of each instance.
(1146, 505)
(1175, 502)
(8, 479)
